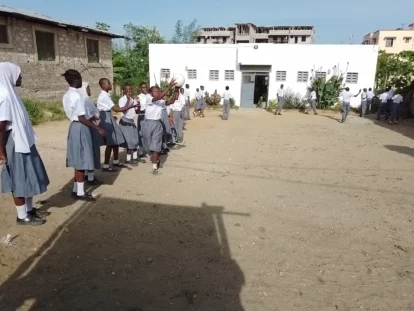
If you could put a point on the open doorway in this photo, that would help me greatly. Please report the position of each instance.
(261, 87)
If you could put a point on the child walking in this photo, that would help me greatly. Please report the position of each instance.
(187, 102)
(177, 109)
(226, 103)
(142, 99)
(127, 126)
(22, 171)
(114, 136)
(153, 130)
(79, 153)
(92, 114)
(202, 101)
(197, 102)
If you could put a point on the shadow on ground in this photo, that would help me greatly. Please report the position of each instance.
(129, 255)
(401, 149)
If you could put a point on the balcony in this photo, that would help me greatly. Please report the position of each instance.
(216, 33)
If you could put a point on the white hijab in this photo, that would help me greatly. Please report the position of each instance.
(22, 130)
(91, 109)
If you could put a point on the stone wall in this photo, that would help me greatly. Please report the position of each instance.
(42, 80)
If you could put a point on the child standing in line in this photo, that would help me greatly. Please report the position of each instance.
(127, 126)
(397, 99)
(22, 171)
(197, 103)
(226, 103)
(163, 103)
(203, 101)
(92, 114)
(177, 110)
(153, 130)
(142, 99)
(187, 102)
(79, 147)
(114, 136)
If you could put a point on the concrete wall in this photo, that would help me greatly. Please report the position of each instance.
(361, 59)
(41, 79)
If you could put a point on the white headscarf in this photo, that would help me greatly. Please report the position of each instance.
(91, 109)
(22, 130)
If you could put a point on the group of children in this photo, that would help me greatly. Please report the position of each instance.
(390, 106)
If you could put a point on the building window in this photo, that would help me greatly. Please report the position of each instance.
(192, 74)
(389, 42)
(280, 75)
(214, 75)
(228, 75)
(352, 77)
(320, 75)
(303, 38)
(165, 73)
(303, 76)
(45, 43)
(92, 47)
(4, 34)
(407, 39)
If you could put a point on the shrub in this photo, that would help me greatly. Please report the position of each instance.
(54, 111)
(233, 104)
(271, 104)
(327, 92)
(293, 100)
(214, 99)
(34, 110)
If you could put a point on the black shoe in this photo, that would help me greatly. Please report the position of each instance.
(86, 197)
(279, 114)
(30, 220)
(94, 182)
(38, 213)
(109, 169)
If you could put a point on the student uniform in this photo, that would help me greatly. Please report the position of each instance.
(127, 125)
(141, 122)
(92, 111)
(389, 101)
(79, 154)
(153, 130)
(396, 106)
(198, 101)
(24, 173)
(177, 109)
(187, 104)
(364, 98)
(280, 100)
(346, 96)
(383, 105)
(312, 105)
(226, 104)
(165, 121)
(203, 100)
(114, 135)
(370, 96)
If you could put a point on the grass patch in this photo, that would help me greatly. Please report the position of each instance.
(44, 112)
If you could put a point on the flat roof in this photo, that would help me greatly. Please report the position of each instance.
(43, 19)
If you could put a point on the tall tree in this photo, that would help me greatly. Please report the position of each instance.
(102, 26)
(185, 34)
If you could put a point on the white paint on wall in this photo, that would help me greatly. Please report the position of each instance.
(179, 58)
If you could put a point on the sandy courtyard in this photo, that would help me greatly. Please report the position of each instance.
(256, 213)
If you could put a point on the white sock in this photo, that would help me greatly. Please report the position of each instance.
(91, 176)
(81, 188)
(129, 157)
(164, 145)
(173, 140)
(21, 211)
(116, 161)
(29, 204)
(135, 155)
(106, 166)
(75, 187)
(154, 166)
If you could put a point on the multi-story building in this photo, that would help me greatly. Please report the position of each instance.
(250, 33)
(392, 41)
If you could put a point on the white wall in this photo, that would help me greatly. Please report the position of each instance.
(282, 57)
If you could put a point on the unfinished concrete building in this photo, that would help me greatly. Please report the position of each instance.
(250, 33)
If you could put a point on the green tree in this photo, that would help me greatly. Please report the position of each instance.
(185, 34)
(102, 26)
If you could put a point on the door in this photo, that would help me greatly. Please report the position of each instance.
(247, 90)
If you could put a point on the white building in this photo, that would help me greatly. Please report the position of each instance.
(253, 69)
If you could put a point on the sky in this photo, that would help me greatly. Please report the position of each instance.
(335, 21)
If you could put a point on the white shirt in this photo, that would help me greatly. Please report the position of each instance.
(370, 94)
(383, 97)
(153, 110)
(73, 104)
(130, 113)
(202, 93)
(313, 95)
(197, 95)
(179, 104)
(398, 99)
(390, 94)
(187, 94)
(226, 95)
(280, 92)
(364, 96)
(90, 109)
(143, 101)
(105, 102)
(347, 96)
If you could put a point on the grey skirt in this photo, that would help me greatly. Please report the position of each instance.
(24, 174)
(130, 133)
(97, 142)
(166, 123)
(140, 127)
(113, 132)
(198, 104)
(79, 154)
(153, 133)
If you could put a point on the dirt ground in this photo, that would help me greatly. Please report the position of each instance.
(295, 212)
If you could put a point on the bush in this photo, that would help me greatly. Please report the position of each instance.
(213, 99)
(44, 112)
(55, 110)
(271, 105)
(293, 100)
(233, 104)
(34, 110)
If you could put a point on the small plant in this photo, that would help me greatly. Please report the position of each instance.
(192, 102)
(233, 104)
(34, 110)
(271, 105)
(292, 100)
(214, 99)
(53, 112)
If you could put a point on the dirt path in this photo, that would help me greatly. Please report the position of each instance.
(256, 213)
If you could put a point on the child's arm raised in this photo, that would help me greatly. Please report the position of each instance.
(161, 96)
(126, 107)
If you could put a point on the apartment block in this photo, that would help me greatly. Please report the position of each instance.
(392, 41)
(250, 33)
